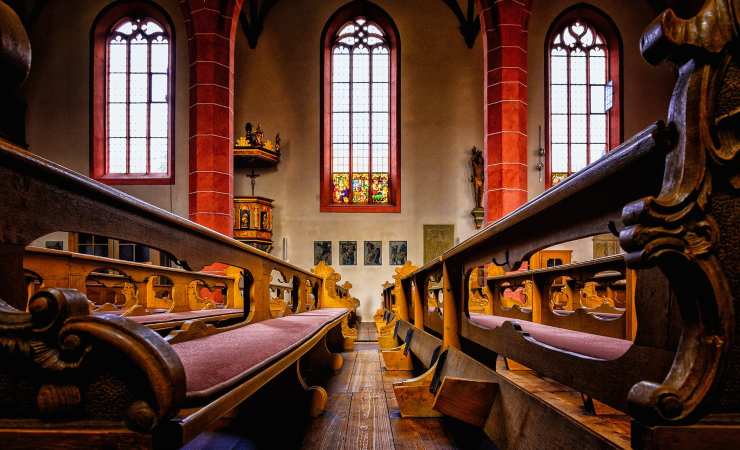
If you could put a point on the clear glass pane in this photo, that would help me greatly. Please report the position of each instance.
(159, 120)
(559, 99)
(380, 127)
(381, 96)
(348, 29)
(597, 99)
(597, 65)
(578, 128)
(340, 97)
(360, 127)
(361, 65)
(598, 128)
(588, 38)
(374, 29)
(577, 157)
(340, 157)
(139, 56)
(372, 40)
(559, 128)
(577, 67)
(137, 119)
(381, 65)
(560, 158)
(160, 57)
(578, 99)
(126, 28)
(116, 155)
(340, 65)
(159, 88)
(360, 96)
(380, 158)
(138, 87)
(158, 155)
(117, 120)
(117, 87)
(597, 151)
(151, 27)
(137, 156)
(558, 70)
(340, 127)
(117, 57)
(360, 157)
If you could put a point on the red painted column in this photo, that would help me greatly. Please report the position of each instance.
(504, 26)
(211, 27)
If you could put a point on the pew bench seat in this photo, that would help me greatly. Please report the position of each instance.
(587, 344)
(216, 364)
(174, 319)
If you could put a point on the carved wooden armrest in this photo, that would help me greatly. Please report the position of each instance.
(68, 364)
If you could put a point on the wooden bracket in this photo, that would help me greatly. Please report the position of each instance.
(464, 399)
(397, 359)
(318, 394)
(414, 395)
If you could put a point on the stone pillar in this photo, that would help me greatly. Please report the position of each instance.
(211, 27)
(504, 30)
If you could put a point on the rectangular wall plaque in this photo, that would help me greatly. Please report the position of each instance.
(437, 239)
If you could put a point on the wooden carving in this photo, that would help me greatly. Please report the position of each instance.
(689, 229)
(477, 165)
(61, 362)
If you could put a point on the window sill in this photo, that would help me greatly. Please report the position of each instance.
(136, 180)
(335, 208)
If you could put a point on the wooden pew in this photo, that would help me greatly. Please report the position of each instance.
(331, 295)
(161, 297)
(400, 309)
(671, 193)
(80, 380)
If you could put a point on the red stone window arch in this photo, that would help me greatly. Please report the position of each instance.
(583, 52)
(132, 95)
(360, 92)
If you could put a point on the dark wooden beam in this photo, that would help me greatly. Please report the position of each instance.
(469, 21)
(252, 18)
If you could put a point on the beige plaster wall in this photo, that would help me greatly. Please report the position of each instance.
(646, 88)
(58, 94)
(277, 84)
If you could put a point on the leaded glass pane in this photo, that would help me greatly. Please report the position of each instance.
(559, 70)
(138, 89)
(159, 87)
(340, 65)
(341, 192)
(597, 151)
(361, 96)
(559, 128)
(559, 157)
(160, 57)
(340, 97)
(597, 99)
(340, 157)
(380, 97)
(360, 188)
(158, 155)
(380, 188)
(380, 158)
(360, 157)
(598, 69)
(340, 127)
(578, 128)
(578, 67)
(360, 127)
(117, 120)
(139, 56)
(380, 127)
(137, 119)
(117, 57)
(578, 99)
(361, 65)
(116, 155)
(559, 99)
(117, 87)
(159, 120)
(137, 155)
(598, 128)
(577, 157)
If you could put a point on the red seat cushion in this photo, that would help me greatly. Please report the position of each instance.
(180, 316)
(214, 364)
(329, 312)
(588, 344)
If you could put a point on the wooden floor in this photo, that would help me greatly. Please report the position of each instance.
(362, 413)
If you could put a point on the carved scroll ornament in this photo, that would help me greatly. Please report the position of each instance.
(679, 229)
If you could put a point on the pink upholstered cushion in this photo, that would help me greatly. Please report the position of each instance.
(329, 312)
(186, 315)
(216, 363)
(592, 345)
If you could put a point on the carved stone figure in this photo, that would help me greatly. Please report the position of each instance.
(477, 165)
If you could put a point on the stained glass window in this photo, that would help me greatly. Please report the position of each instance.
(137, 98)
(360, 114)
(579, 121)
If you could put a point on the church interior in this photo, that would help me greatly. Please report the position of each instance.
(370, 224)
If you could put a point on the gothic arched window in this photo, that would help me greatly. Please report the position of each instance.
(132, 95)
(583, 91)
(360, 93)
